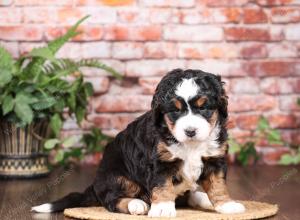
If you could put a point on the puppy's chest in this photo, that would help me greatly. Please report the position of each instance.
(192, 166)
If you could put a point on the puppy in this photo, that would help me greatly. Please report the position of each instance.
(167, 155)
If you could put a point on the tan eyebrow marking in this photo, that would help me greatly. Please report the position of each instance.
(178, 104)
(199, 102)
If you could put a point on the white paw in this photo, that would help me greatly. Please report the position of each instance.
(230, 207)
(137, 207)
(162, 209)
(199, 199)
(45, 208)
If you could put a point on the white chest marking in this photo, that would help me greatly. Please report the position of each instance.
(192, 153)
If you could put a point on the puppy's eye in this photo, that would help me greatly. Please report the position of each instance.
(178, 104)
(200, 102)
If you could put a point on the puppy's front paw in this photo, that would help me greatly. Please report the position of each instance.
(137, 207)
(230, 207)
(162, 209)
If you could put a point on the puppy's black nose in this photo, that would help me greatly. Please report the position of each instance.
(191, 132)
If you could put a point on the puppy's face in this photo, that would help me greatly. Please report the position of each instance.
(190, 106)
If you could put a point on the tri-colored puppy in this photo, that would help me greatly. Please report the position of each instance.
(167, 155)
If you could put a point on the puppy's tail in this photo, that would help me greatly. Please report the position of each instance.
(87, 198)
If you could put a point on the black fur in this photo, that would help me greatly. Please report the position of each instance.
(133, 153)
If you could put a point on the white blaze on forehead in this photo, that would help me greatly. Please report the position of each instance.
(187, 89)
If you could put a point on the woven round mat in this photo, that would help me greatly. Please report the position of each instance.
(254, 210)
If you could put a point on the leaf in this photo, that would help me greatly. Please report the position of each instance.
(25, 98)
(70, 141)
(263, 124)
(56, 124)
(71, 101)
(234, 147)
(298, 101)
(6, 60)
(286, 159)
(8, 104)
(59, 157)
(51, 143)
(5, 76)
(88, 89)
(24, 112)
(45, 103)
(274, 136)
(80, 114)
(43, 52)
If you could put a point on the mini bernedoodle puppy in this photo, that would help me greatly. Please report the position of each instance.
(173, 154)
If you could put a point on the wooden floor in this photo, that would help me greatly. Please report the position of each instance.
(279, 185)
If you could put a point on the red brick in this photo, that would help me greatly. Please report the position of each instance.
(152, 67)
(96, 50)
(192, 16)
(161, 15)
(243, 103)
(168, 3)
(285, 15)
(275, 2)
(247, 34)
(44, 2)
(122, 103)
(284, 121)
(254, 16)
(127, 50)
(132, 15)
(149, 84)
(195, 33)
(44, 15)
(21, 32)
(70, 50)
(106, 2)
(6, 2)
(99, 15)
(221, 67)
(231, 123)
(139, 33)
(278, 85)
(282, 50)
(88, 33)
(216, 3)
(225, 15)
(245, 85)
(248, 122)
(291, 136)
(292, 32)
(112, 121)
(201, 50)
(160, 50)
(253, 50)
(289, 103)
(270, 68)
(100, 84)
(240, 135)
(10, 15)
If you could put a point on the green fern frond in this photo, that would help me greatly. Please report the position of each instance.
(96, 64)
(56, 44)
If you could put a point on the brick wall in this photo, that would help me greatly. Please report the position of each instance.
(253, 44)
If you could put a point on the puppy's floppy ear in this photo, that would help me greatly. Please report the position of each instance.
(157, 115)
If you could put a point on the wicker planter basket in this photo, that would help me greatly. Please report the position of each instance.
(21, 150)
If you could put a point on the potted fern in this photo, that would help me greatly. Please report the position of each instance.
(35, 92)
